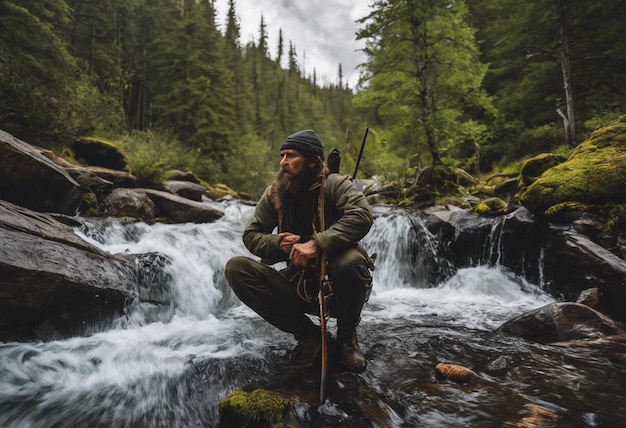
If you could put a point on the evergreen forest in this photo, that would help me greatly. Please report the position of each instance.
(477, 84)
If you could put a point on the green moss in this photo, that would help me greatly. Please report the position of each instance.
(616, 215)
(490, 206)
(218, 190)
(533, 167)
(259, 408)
(89, 207)
(595, 173)
(566, 211)
(101, 152)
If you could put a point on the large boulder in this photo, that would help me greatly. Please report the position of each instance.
(595, 173)
(52, 282)
(30, 179)
(186, 189)
(149, 204)
(130, 203)
(574, 263)
(183, 210)
(99, 152)
(557, 322)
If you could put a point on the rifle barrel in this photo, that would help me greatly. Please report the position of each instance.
(358, 160)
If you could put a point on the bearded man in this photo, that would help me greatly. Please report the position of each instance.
(290, 206)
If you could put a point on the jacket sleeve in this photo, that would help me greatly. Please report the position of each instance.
(259, 238)
(353, 218)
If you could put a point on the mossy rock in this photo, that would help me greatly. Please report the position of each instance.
(566, 212)
(595, 173)
(444, 179)
(438, 182)
(89, 207)
(532, 168)
(490, 206)
(219, 191)
(178, 175)
(99, 152)
(257, 409)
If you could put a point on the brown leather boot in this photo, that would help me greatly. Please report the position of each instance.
(306, 350)
(350, 353)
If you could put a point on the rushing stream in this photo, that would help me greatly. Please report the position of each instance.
(169, 362)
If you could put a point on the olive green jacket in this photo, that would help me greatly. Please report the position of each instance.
(348, 219)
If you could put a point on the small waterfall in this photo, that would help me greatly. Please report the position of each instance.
(407, 253)
(494, 242)
(195, 256)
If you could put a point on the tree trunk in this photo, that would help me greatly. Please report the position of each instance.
(564, 59)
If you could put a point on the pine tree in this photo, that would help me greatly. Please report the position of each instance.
(423, 72)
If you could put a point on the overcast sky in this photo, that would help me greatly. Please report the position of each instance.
(323, 32)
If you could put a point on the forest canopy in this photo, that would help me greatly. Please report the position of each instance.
(472, 83)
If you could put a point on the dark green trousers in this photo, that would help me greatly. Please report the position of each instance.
(271, 295)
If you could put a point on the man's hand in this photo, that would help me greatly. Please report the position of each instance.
(287, 241)
(301, 253)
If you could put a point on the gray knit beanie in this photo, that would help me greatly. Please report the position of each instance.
(306, 141)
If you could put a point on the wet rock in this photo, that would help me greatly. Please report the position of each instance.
(186, 189)
(464, 233)
(500, 365)
(130, 203)
(28, 178)
(52, 278)
(259, 408)
(561, 322)
(490, 206)
(85, 174)
(535, 416)
(117, 177)
(455, 373)
(590, 297)
(182, 210)
(574, 263)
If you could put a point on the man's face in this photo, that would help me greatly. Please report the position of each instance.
(293, 163)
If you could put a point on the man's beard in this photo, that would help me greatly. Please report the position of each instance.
(287, 188)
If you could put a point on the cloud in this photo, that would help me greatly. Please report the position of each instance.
(323, 32)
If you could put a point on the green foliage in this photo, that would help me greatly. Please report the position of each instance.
(424, 74)
(250, 169)
(150, 154)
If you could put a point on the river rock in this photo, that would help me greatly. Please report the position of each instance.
(133, 203)
(186, 189)
(99, 152)
(94, 177)
(53, 283)
(183, 210)
(564, 321)
(464, 232)
(455, 373)
(28, 178)
(573, 263)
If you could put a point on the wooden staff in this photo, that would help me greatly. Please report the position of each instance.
(325, 291)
